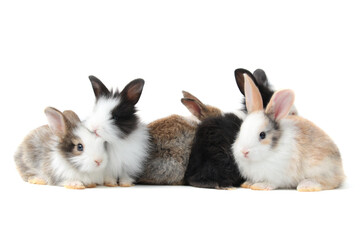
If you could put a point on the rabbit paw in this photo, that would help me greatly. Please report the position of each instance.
(110, 182)
(246, 185)
(36, 180)
(126, 181)
(91, 185)
(126, 184)
(226, 188)
(264, 186)
(74, 185)
(308, 185)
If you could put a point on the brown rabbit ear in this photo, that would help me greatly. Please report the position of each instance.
(57, 121)
(252, 96)
(72, 117)
(190, 96)
(133, 90)
(99, 88)
(193, 106)
(280, 104)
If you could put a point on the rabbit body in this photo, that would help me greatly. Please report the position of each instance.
(49, 156)
(274, 150)
(114, 119)
(172, 138)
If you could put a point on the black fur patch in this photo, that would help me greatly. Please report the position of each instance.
(211, 162)
(124, 116)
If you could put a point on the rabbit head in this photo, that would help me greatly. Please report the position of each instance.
(82, 149)
(114, 114)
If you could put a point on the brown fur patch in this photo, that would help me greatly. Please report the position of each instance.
(72, 117)
(165, 129)
(203, 111)
(312, 137)
(318, 154)
(266, 141)
(171, 145)
(211, 111)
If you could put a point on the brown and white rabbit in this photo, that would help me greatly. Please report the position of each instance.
(274, 150)
(172, 138)
(62, 153)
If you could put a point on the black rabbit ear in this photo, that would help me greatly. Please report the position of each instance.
(99, 88)
(261, 77)
(240, 78)
(133, 90)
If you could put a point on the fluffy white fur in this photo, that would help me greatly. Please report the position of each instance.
(126, 155)
(100, 120)
(88, 171)
(263, 163)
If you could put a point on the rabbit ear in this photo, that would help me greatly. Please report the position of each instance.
(252, 96)
(240, 74)
(72, 117)
(280, 104)
(190, 96)
(133, 90)
(261, 77)
(197, 108)
(194, 107)
(57, 122)
(99, 88)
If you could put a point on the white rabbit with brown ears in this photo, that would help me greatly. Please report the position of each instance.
(274, 150)
(114, 119)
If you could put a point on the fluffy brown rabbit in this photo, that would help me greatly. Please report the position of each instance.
(172, 138)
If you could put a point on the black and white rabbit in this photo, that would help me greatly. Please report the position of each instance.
(211, 163)
(114, 119)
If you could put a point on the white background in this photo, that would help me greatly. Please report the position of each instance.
(48, 49)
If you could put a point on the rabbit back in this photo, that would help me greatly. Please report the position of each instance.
(211, 163)
(171, 144)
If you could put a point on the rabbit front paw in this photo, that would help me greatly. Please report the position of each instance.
(263, 186)
(74, 185)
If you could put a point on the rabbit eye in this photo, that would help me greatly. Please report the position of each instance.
(80, 147)
(262, 135)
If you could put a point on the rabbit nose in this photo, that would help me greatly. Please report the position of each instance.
(98, 162)
(245, 152)
(96, 132)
